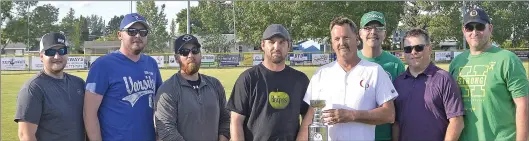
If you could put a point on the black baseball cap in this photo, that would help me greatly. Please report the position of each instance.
(185, 39)
(476, 15)
(53, 39)
(276, 30)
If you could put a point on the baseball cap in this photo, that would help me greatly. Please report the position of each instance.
(52, 39)
(275, 30)
(476, 15)
(372, 16)
(185, 39)
(130, 19)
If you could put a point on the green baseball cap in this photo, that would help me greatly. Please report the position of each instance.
(372, 16)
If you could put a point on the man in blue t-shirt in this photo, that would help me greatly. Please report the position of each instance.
(120, 88)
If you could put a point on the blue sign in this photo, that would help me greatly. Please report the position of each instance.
(229, 60)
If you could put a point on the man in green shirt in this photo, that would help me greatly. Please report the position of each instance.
(373, 32)
(493, 83)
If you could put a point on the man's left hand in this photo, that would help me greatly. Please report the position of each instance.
(334, 116)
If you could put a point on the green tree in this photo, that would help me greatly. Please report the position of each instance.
(95, 25)
(173, 29)
(158, 36)
(80, 34)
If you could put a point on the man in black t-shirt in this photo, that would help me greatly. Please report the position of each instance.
(267, 99)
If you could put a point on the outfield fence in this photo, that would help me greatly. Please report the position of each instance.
(32, 62)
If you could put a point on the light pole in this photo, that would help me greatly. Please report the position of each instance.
(463, 11)
(234, 29)
(188, 22)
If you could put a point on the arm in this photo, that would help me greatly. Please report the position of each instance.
(396, 131)
(29, 110)
(454, 128)
(303, 133)
(26, 131)
(380, 115)
(166, 113)
(224, 121)
(92, 102)
(236, 129)
(521, 118)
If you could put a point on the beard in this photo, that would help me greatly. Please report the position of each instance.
(190, 67)
(276, 59)
(56, 68)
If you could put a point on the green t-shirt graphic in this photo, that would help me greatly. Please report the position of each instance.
(394, 67)
(489, 82)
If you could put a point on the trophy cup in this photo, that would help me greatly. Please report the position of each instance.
(318, 130)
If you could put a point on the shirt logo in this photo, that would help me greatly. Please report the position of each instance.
(137, 89)
(364, 84)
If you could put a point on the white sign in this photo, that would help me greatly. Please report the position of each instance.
(257, 59)
(320, 59)
(75, 62)
(172, 62)
(13, 63)
(443, 56)
(457, 53)
(159, 60)
(208, 58)
(298, 57)
(93, 59)
(36, 64)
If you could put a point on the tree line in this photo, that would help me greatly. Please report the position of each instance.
(212, 20)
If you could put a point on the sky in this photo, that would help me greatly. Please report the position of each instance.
(109, 9)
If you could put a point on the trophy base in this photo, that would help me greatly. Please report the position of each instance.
(318, 132)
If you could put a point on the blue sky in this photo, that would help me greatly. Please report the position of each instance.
(108, 9)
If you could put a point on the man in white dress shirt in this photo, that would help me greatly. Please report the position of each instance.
(358, 93)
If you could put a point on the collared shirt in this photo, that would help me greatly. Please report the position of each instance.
(426, 103)
(365, 87)
(185, 113)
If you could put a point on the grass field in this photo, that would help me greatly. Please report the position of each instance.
(11, 83)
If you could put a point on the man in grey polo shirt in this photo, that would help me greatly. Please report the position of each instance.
(189, 105)
(429, 106)
(50, 104)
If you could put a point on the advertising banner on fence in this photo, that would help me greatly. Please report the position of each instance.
(320, 59)
(159, 61)
(208, 60)
(443, 56)
(13, 63)
(298, 59)
(522, 54)
(172, 62)
(247, 59)
(229, 60)
(74, 62)
(257, 59)
(36, 64)
(457, 53)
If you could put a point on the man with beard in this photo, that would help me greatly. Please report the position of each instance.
(120, 87)
(373, 32)
(493, 83)
(189, 105)
(50, 105)
(267, 99)
(358, 93)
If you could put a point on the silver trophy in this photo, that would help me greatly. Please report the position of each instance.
(318, 130)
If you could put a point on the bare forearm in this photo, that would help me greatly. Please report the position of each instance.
(303, 133)
(27, 137)
(454, 129)
(376, 116)
(236, 132)
(522, 123)
(395, 133)
(93, 129)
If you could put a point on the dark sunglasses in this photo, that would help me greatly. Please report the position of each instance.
(185, 51)
(52, 52)
(471, 27)
(418, 48)
(134, 32)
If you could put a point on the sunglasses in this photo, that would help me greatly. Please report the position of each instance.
(418, 48)
(185, 51)
(134, 32)
(52, 52)
(471, 27)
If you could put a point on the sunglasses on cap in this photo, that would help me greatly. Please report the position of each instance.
(418, 48)
(186, 51)
(134, 32)
(52, 52)
(477, 26)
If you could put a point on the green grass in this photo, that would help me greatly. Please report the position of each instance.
(12, 81)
